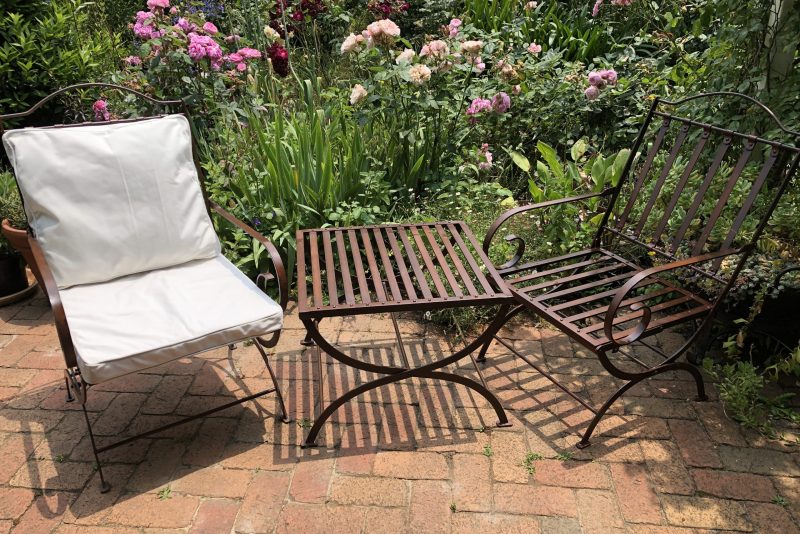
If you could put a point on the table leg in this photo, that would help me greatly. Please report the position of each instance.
(395, 374)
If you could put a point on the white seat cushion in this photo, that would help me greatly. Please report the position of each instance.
(146, 319)
(111, 200)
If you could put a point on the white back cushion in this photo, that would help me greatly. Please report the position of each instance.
(111, 200)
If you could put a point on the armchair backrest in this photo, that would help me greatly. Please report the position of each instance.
(696, 187)
(106, 200)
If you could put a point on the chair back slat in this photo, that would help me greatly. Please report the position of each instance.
(643, 172)
(726, 193)
(696, 187)
(662, 178)
(676, 195)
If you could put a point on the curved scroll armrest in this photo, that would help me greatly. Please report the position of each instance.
(502, 219)
(277, 262)
(59, 316)
(622, 293)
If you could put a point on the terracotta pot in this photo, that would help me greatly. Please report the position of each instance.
(19, 240)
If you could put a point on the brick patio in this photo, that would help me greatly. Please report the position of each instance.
(413, 457)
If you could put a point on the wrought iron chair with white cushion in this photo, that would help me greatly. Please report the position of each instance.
(120, 230)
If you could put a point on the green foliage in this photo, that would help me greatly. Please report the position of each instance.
(47, 46)
(10, 208)
(307, 170)
(528, 462)
(741, 388)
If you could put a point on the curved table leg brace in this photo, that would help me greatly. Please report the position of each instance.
(395, 374)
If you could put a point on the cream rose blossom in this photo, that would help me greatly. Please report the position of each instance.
(405, 57)
(351, 43)
(419, 74)
(357, 94)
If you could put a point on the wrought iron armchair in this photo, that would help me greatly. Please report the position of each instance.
(669, 246)
(120, 233)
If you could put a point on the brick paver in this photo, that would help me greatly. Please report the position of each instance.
(418, 457)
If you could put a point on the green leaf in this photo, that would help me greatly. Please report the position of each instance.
(549, 155)
(619, 165)
(598, 171)
(520, 160)
(578, 149)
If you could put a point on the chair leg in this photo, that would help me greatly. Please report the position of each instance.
(308, 341)
(70, 397)
(278, 394)
(674, 366)
(104, 485)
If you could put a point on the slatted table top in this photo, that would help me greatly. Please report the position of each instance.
(393, 267)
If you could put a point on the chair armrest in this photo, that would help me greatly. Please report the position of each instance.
(277, 262)
(51, 289)
(631, 284)
(503, 218)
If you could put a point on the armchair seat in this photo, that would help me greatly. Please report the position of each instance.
(142, 320)
(574, 292)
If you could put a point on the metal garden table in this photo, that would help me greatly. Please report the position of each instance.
(396, 268)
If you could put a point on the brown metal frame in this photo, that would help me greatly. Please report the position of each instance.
(395, 268)
(75, 385)
(598, 267)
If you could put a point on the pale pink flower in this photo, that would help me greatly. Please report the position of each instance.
(173, 10)
(419, 74)
(596, 8)
(383, 31)
(357, 94)
(404, 57)
(133, 60)
(478, 65)
(471, 47)
(516, 89)
(452, 28)
(530, 6)
(351, 43)
(437, 49)
(534, 49)
(592, 92)
(210, 29)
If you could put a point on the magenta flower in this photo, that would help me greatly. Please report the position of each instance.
(203, 46)
(484, 158)
(609, 76)
(142, 29)
(152, 5)
(210, 29)
(501, 102)
(596, 79)
(185, 25)
(479, 105)
(100, 108)
(249, 53)
(592, 92)
(596, 8)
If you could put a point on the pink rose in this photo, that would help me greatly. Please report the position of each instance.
(210, 29)
(592, 92)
